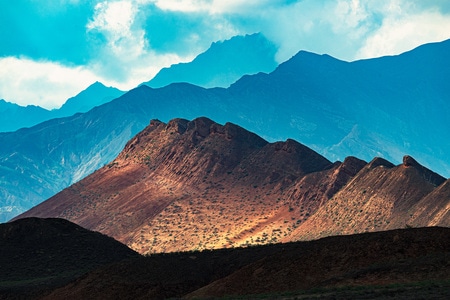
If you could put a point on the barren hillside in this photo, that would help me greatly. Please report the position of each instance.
(189, 185)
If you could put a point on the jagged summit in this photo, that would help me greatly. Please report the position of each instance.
(352, 165)
(222, 64)
(426, 173)
(197, 184)
(379, 161)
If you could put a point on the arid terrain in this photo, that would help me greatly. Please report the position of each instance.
(59, 260)
(195, 185)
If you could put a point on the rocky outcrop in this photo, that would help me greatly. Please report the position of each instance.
(197, 184)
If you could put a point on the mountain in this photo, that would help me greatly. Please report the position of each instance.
(380, 197)
(189, 185)
(42, 254)
(337, 108)
(222, 64)
(96, 94)
(14, 117)
(38, 162)
(194, 169)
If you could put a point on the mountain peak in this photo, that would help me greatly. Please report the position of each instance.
(177, 125)
(427, 174)
(352, 165)
(408, 161)
(378, 161)
(222, 64)
(201, 126)
(94, 95)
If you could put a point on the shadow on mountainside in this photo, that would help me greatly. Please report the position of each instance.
(377, 265)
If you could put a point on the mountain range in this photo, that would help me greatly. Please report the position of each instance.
(219, 66)
(14, 116)
(195, 185)
(384, 107)
(237, 56)
(222, 64)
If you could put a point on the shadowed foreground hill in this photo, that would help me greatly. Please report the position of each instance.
(193, 185)
(39, 254)
(403, 264)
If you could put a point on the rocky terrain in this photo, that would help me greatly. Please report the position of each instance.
(195, 185)
(336, 108)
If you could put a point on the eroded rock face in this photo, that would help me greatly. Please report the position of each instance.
(427, 174)
(408, 161)
(197, 184)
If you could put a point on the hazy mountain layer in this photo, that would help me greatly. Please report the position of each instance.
(222, 64)
(189, 185)
(14, 117)
(389, 107)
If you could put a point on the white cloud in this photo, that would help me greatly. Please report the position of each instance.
(335, 28)
(351, 29)
(126, 59)
(46, 84)
(115, 20)
(350, 17)
(400, 33)
(213, 6)
(346, 29)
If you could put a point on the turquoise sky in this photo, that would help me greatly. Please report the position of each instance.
(51, 50)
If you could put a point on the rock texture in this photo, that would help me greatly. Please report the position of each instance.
(337, 108)
(197, 184)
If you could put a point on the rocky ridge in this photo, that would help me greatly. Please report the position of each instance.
(197, 184)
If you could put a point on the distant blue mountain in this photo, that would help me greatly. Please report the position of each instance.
(387, 107)
(13, 116)
(96, 94)
(222, 64)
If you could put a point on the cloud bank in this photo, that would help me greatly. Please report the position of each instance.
(54, 49)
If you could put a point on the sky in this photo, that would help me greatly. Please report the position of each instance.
(51, 50)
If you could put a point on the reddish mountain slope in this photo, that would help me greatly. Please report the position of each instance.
(379, 197)
(199, 185)
(187, 185)
(433, 209)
